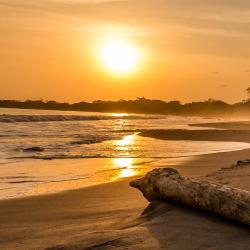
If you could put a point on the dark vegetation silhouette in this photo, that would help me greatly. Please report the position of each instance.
(139, 105)
(248, 92)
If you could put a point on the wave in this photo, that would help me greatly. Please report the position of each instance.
(30, 179)
(51, 118)
(98, 156)
(92, 139)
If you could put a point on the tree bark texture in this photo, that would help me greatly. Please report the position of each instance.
(167, 184)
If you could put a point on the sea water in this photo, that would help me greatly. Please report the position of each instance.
(79, 149)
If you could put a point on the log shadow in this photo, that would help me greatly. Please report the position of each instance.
(176, 227)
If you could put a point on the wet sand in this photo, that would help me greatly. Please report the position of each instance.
(240, 125)
(199, 135)
(109, 216)
(220, 131)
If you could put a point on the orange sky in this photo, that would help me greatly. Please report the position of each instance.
(192, 50)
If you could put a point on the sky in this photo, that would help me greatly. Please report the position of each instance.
(190, 50)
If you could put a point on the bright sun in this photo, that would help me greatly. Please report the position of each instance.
(119, 56)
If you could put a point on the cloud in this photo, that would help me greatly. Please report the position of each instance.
(220, 28)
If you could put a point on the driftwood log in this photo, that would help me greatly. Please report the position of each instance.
(167, 184)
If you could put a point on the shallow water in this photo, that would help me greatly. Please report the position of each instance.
(86, 148)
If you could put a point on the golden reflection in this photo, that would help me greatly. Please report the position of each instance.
(119, 114)
(120, 124)
(123, 162)
(125, 166)
(126, 141)
(128, 172)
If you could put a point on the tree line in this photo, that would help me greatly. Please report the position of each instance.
(139, 105)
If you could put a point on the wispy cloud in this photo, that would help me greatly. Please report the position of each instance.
(201, 26)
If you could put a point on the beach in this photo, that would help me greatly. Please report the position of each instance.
(124, 125)
(62, 204)
(109, 216)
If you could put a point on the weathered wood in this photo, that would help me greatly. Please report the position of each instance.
(167, 184)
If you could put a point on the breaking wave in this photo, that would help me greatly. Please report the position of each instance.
(52, 118)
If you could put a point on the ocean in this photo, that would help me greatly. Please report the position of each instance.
(50, 151)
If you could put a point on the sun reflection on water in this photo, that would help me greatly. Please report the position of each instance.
(128, 172)
(123, 162)
(126, 141)
(119, 114)
(125, 166)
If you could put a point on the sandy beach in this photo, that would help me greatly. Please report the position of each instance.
(124, 125)
(116, 216)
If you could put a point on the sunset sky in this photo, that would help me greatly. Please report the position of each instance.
(181, 49)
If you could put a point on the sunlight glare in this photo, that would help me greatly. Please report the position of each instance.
(128, 172)
(126, 141)
(119, 115)
(123, 162)
(119, 55)
(126, 165)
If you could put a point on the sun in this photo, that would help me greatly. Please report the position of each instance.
(119, 56)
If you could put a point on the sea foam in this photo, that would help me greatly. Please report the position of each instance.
(51, 118)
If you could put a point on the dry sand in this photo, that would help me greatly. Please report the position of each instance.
(109, 216)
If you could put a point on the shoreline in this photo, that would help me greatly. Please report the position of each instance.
(189, 165)
(110, 214)
(227, 135)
